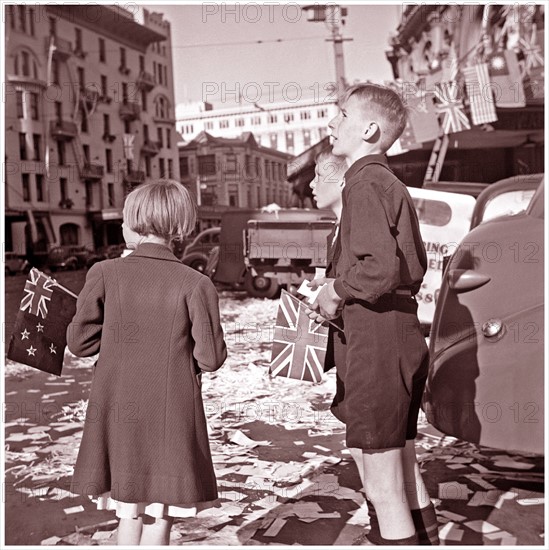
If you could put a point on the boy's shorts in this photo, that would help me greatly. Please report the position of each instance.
(382, 363)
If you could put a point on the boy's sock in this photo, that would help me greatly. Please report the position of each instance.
(374, 533)
(425, 522)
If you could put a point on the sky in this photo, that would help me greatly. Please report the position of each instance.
(218, 54)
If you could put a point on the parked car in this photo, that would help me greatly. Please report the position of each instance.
(486, 377)
(68, 257)
(15, 263)
(105, 253)
(196, 253)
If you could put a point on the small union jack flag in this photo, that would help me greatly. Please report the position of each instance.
(299, 343)
(38, 291)
(450, 105)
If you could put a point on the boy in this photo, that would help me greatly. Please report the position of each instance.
(378, 271)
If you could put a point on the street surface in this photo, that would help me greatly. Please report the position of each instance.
(284, 475)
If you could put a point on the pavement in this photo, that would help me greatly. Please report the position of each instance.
(284, 474)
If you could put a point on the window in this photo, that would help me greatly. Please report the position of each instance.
(165, 75)
(141, 63)
(63, 188)
(148, 166)
(34, 105)
(39, 187)
(89, 193)
(124, 93)
(168, 138)
(19, 102)
(267, 170)
(223, 123)
(184, 166)
(104, 86)
(127, 127)
(22, 146)
(86, 149)
(239, 122)
(22, 18)
(59, 111)
(26, 187)
(108, 159)
(122, 58)
(304, 115)
(159, 136)
(81, 78)
(306, 138)
(274, 141)
(162, 168)
(322, 113)
(61, 153)
(209, 125)
(289, 140)
(144, 100)
(106, 125)
(170, 168)
(55, 71)
(25, 63)
(288, 117)
(273, 119)
(256, 120)
(84, 121)
(37, 146)
(53, 26)
(102, 51)
(145, 132)
(233, 196)
(78, 39)
(31, 21)
(230, 167)
(110, 191)
(206, 165)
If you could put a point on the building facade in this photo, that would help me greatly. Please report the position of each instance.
(89, 115)
(290, 127)
(233, 173)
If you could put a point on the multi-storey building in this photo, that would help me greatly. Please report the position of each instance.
(291, 127)
(89, 115)
(233, 173)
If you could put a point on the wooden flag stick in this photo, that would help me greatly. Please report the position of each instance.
(57, 284)
(295, 298)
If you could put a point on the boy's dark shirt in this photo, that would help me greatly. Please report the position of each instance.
(381, 245)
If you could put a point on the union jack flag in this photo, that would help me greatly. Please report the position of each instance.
(38, 291)
(299, 343)
(450, 105)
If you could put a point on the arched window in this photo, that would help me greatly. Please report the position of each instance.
(24, 64)
(162, 107)
(68, 232)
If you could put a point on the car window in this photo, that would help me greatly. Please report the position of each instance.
(215, 238)
(432, 212)
(507, 204)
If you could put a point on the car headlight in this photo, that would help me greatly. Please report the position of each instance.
(493, 329)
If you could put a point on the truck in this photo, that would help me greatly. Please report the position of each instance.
(264, 250)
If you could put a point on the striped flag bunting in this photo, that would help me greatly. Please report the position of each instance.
(479, 92)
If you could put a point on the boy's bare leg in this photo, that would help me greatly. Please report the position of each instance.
(416, 492)
(156, 531)
(384, 486)
(129, 531)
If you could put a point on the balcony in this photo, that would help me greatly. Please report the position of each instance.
(63, 130)
(88, 98)
(134, 177)
(150, 147)
(62, 49)
(146, 81)
(130, 111)
(92, 171)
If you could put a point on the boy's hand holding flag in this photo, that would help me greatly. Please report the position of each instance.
(39, 336)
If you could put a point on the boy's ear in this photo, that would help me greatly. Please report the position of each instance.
(371, 133)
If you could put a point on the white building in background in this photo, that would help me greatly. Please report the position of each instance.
(290, 127)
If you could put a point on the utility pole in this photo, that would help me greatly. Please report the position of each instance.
(332, 16)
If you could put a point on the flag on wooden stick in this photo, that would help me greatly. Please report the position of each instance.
(39, 335)
(299, 343)
(481, 102)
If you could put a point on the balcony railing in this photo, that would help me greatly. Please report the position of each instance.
(134, 177)
(150, 147)
(63, 129)
(146, 81)
(62, 49)
(92, 171)
(130, 111)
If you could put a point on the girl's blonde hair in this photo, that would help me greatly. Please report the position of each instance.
(164, 209)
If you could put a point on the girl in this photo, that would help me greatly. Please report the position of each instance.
(155, 323)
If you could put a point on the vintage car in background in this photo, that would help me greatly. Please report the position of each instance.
(15, 263)
(447, 211)
(105, 253)
(197, 251)
(68, 257)
(486, 377)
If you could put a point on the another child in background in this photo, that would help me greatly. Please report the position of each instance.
(155, 324)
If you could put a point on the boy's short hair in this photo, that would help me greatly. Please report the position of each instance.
(327, 159)
(164, 209)
(385, 104)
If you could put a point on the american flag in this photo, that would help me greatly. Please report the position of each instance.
(299, 343)
(450, 106)
(38, 291)
(477, 84)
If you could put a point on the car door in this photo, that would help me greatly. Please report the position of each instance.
(444, 220)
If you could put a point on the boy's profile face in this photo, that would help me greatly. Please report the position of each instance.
(348, 129)
(327, 184)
